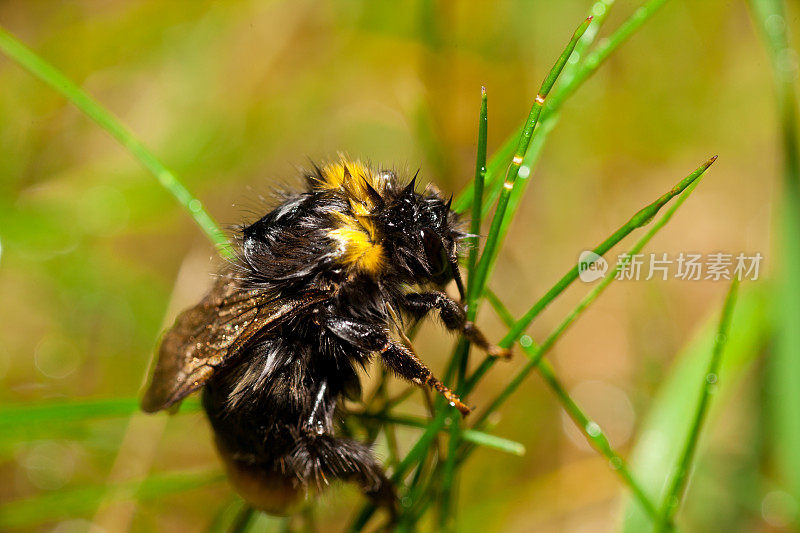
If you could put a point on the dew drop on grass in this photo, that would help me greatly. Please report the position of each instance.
(674, 502)
(592, 429)
(526, 341)
(598, 10)
(711, 378)
(775, 23)
(778, 509)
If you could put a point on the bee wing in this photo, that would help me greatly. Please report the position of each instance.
(216, 329)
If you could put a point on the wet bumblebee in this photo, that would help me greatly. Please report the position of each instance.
(321, 284)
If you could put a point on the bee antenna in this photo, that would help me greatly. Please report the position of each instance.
(373, 194)
(449, 202)
(412, 184)
(314, 177)
(317, 170)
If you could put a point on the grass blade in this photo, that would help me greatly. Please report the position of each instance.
(536, 354)
(590, 429)
(641, 218)
(21, 415)
(672, 497)
(83, 501)
(460, 359)
(571, 83)
(492, 441)
(477, 196)
(664, 430)
(479, 272)
(596, 58)
(492, 242)
(53, 77)
(493, 184)
(783, 375)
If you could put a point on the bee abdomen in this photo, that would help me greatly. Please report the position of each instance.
(265, 489)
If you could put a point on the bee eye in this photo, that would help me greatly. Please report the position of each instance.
(434, 252)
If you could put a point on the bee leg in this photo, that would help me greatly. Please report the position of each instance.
(320, 456)
(323, 457)
(405, 364)
(453, 317)
(397, 357)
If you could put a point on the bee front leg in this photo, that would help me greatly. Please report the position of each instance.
(453, 317)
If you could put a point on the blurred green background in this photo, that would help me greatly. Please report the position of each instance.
(96, 258)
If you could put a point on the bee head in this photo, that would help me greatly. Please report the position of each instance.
(422, 234)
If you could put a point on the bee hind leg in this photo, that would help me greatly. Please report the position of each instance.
(321, 458)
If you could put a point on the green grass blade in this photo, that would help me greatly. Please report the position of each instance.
(460, 359)
(447, 494)
(562, 92)
(663, 431)
(477, 196)
(492, 441)
(596, 58)
(493, 184)
(19, 416)
(243, 520)
(491, 246)
(69, 503)
(783, 374)
(594, 293)
(15, 416)
(641, 218)
(672, 497)
(590, 429)
(53, 77)
(599, 11)
(480, 272)
(535, 355)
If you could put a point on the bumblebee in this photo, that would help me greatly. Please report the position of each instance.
(321, 285)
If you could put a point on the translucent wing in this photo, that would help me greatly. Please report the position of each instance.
(208, 334)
